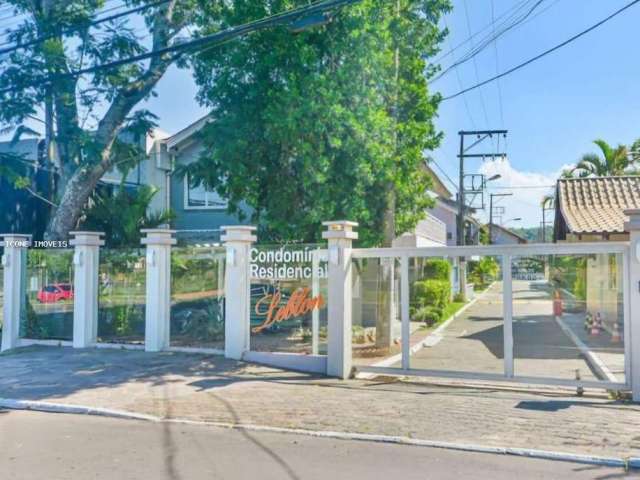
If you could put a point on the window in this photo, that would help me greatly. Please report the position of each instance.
(201, 197)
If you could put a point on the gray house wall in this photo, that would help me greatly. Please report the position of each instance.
(195, 225)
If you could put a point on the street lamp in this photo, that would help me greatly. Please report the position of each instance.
(497, 176)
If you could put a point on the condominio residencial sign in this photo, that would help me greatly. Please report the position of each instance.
(286, 263)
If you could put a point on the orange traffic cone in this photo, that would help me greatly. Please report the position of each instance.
(615, 336)
(595, 326)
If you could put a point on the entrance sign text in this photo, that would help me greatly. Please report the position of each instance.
(299, 304)
(283, 264)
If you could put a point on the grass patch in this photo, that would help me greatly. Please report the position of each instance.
(452, 308)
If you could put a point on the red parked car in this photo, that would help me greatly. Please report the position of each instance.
(55, 293)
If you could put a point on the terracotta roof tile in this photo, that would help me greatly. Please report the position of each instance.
(595, 205)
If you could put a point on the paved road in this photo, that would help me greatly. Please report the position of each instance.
(69, 447)
(473, 342)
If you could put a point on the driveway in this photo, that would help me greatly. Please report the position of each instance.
(474, 341)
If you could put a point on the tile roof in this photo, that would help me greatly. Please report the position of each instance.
(596, 205)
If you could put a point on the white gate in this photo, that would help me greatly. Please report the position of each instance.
(568, 323)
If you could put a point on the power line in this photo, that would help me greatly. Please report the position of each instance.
(495, 49)
(218, 38)
(543, 54)
(464, 97)
(475, 50)
(468, 39)
(91, 24)
(443, 172)
(475, 67)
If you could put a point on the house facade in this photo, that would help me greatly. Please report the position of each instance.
(200, 212)
(592, 210)
(499, 235)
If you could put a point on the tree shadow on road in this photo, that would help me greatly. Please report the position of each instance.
(36, 373)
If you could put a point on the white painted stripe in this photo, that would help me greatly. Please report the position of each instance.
(595, 361)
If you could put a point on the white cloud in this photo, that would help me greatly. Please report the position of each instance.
(528, 188)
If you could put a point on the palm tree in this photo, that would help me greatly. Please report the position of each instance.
(613, 162)
(122, 214)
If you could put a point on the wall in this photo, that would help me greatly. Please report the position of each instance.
(604, 288)
(199, 225)
(444, 214)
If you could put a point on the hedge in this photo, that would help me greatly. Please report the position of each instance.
(433, 293)
(437, 269)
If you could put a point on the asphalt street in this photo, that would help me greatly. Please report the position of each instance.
(71, 447)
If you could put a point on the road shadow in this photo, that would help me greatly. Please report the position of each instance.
(557, 405)
(36, 373)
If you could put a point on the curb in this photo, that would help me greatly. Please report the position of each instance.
(626, 463)
(431, 340)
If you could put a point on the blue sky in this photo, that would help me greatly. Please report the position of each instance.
(553, 108)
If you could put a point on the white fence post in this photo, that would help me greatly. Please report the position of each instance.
(14, 263)
(158, 297)
(85, 287)
(237, 240)
(633, 336)
(340, 235)
(507, 308)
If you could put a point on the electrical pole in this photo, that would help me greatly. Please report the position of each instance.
(460, 237)
(491, 195)
(544, 222)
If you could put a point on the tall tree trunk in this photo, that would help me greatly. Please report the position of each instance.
(386, 287)
(77, 191)
(79, 183)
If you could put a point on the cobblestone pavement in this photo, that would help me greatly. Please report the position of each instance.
(211, 388)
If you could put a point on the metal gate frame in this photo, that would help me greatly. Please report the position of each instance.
(506, 252)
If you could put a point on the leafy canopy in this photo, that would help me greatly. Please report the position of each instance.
(322, 124)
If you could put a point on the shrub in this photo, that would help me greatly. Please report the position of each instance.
(437, 269)
(429, 315)
(483, 271)
(433, 293)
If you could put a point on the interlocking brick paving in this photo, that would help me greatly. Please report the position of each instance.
(211, 388)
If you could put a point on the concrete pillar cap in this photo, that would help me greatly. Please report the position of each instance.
(634, 219)
(239, 233)
(89, 239)
(337, 229)
(16, 240)
(158, 236)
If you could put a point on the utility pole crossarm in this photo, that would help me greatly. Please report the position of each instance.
(483, 155)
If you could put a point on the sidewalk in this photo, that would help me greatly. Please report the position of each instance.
(211, 388)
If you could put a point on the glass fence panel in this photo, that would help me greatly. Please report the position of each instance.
(456, 328)
(121, 296)
(48, 308)
(1, 295)
(289, 298)
(568, 317)
(197, 297)
(376, 326)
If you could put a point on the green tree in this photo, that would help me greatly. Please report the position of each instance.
(122, 215)
(611, 162)
(90, 112)
(324, 124)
